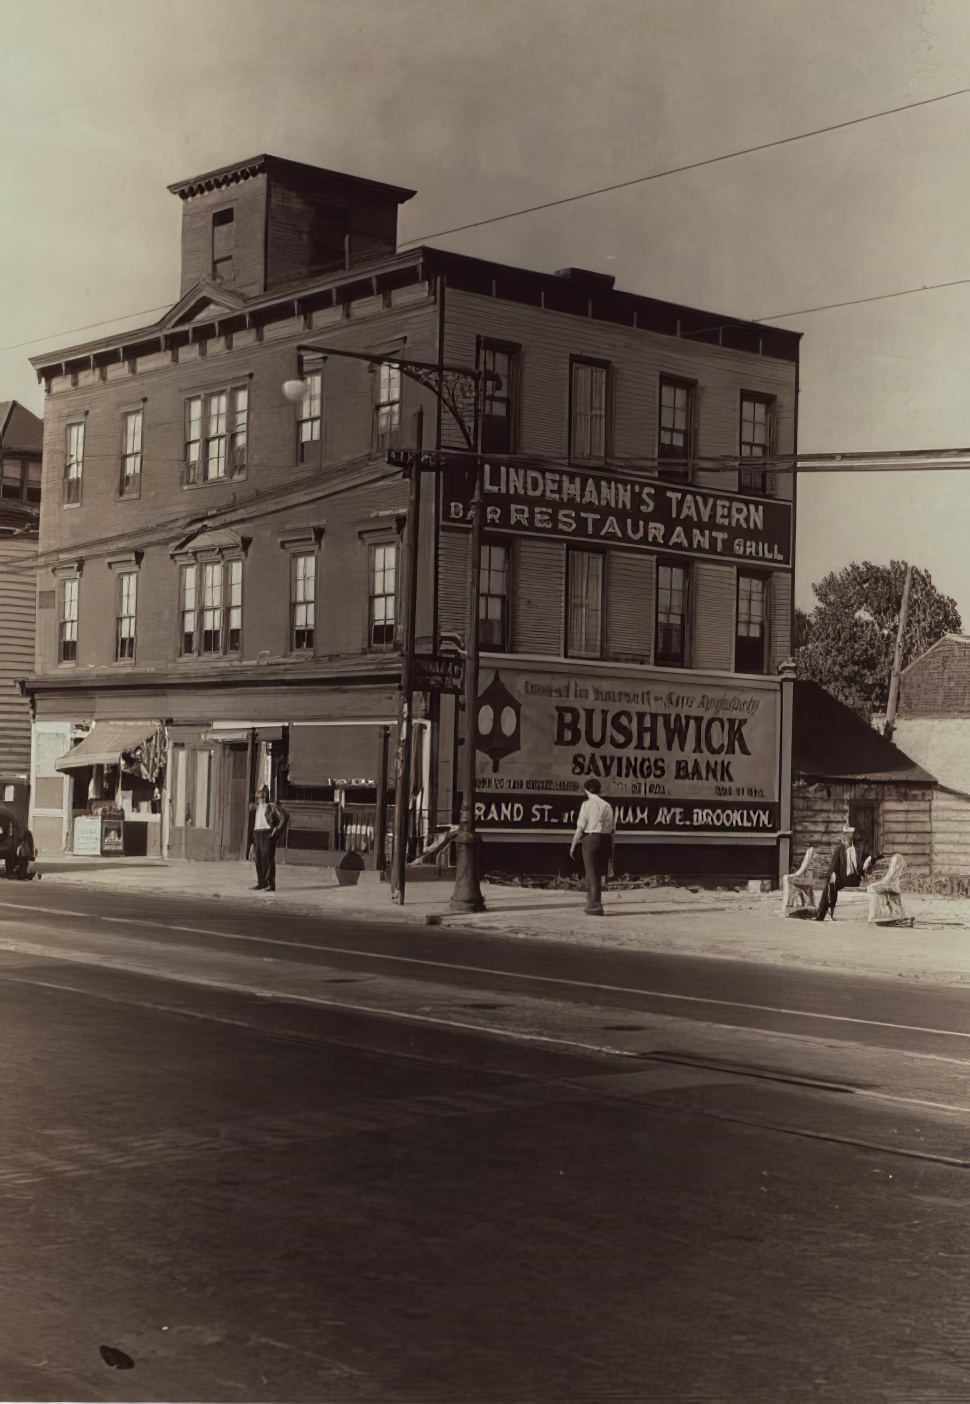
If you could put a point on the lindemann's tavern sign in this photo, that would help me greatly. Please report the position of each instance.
(614, 509)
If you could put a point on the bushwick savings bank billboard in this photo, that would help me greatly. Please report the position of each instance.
(675, 754)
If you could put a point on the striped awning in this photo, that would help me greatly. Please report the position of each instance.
(106, 742)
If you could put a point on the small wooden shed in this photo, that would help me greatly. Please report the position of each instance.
(844, 770)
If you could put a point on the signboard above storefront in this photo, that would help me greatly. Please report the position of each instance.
(437, 672)
(604, 508)
(674, 756)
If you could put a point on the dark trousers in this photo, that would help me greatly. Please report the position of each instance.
(596, 861)
(21, 869)
(264, 856)
(830, 895)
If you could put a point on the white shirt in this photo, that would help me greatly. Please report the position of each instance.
(851, 860)
(595, 817)
(261, 822)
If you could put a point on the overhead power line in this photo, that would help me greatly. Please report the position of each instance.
(855, 301)
(88, 326)
(689, 166)
(606, 190)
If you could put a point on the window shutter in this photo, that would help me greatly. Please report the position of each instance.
(713, 616)
(540, 592)
(453, 582)
(631, 588)
(780, 639)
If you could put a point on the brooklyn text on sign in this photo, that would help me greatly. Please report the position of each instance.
(697, 754)
(616, 509)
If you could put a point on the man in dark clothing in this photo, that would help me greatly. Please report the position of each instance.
(26, 854)
(269, 821)
(849, 865)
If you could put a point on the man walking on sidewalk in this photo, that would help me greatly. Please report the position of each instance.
(594, 830)
(268, 823)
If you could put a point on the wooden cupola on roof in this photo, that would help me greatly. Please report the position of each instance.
(267, 223)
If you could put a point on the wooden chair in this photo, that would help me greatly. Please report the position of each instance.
(798, 889)
(885, 898)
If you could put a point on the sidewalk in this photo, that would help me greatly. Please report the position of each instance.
(726, 925)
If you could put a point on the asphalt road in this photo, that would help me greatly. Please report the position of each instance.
(315, 1160)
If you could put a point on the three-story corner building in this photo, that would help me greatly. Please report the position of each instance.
(21, 446)
(221, 563)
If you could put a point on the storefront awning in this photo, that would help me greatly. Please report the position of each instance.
(105, 743)
(343, 754)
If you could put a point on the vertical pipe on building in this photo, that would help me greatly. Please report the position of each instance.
(787, 673)
(434, 743)
(402, 767)
(380, 817)
(467, 895)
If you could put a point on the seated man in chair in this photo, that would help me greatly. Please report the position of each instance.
(849, 865)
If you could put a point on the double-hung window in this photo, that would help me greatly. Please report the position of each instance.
(757, 440)
(589, 428)
(382, 607)
(493, 598)
(751, 631)
(675, 431)
(303, 575)
(387, 406)
(127, 610)
(311, 418)
(216, 435)
(131, 436)
(223, 245)
(210, 608)
(670, 649)
(74, 462)
(584, 603)
(500, 359)
(67, 625)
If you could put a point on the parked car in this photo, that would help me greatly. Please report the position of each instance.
(11, 831)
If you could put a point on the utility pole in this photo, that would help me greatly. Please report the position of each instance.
(467, 894)
(449, 385)
(893, 703)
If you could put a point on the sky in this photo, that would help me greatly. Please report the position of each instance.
(485, 106)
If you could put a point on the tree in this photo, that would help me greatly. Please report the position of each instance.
(850, 636)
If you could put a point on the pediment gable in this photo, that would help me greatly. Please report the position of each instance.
(210, 543)
(202, 303)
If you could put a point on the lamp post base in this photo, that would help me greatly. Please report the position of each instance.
(467, 896)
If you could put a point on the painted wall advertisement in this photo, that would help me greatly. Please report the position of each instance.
(615, 509)
(684, 755)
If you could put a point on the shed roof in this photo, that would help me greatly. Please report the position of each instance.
(20, 430)
(831, 742)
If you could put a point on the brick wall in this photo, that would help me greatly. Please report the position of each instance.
(938, 683)
(276, 497)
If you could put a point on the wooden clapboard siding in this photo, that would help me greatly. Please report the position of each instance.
(539, 572)
(951, 832)
(18, 596)
(713, 607)
(639, 358)
(630, 605)
(907, 828)
(906, 819)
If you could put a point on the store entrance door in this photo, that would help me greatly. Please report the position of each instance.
(235, 801)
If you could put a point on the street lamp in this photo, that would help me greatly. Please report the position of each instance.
(450, 385)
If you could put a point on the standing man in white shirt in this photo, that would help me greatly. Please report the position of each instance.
(594, 830)
(269, 821)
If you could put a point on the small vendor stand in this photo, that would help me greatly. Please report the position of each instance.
(117, 771)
